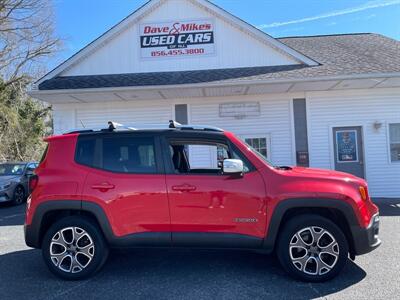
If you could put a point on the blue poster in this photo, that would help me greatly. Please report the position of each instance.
(346, 146)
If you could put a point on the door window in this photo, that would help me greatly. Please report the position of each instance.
(346, 146)
(394, 140)
(200, 158)
(348, 150)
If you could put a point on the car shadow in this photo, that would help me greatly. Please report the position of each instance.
(388, 206)
(166, 274)
(11, 215)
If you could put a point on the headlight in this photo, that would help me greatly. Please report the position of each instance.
(6, 186)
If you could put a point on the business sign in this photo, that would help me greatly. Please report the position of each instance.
(239, 110)
(177, 39)
(346, 146)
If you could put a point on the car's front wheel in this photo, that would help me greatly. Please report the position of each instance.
(312, 248)
(19, 195)
(74, 248)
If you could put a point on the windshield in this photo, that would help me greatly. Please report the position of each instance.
(11, 169)
(258, 154)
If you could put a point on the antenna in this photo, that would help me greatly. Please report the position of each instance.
(83, 125)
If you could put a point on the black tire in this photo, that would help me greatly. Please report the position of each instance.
(95, 238)
(19, 196)
(304, 267)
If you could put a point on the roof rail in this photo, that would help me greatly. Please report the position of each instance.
(114, 126)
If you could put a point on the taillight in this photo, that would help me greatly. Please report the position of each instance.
(33, 181)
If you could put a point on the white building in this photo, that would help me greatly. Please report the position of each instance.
(324, 101)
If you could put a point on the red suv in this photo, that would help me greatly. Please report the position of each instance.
(190, 186)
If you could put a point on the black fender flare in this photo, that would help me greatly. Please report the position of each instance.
(284, 206)
(33, 232)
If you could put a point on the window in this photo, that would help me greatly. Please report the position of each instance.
(11, 169)
(123, 154)
(85, 151)
(128, 155)
(259, 144)
(201, 158)
(30, 168)
(394, 140)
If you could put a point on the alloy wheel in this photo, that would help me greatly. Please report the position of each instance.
(314, 250)
(71, 249)
(19, 195)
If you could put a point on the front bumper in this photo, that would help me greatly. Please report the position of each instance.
(6, 195)
(366, 239)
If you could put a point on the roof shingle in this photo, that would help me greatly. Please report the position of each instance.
(338, 55)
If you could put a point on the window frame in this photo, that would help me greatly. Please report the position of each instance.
(267, 137)
(99, 149)
(389, 143)
(31, 166)
(169, 168)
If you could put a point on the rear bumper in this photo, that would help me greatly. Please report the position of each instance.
(366, 239)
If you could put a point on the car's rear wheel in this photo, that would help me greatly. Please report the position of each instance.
(74, 248)
(18, 195)
(312, 248)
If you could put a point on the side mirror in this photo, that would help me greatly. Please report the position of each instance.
(232, 166)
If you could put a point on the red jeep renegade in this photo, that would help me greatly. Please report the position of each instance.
(190, 186)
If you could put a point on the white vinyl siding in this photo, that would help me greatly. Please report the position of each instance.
(274, 121)
(141, 112)
(324, 110)
(332, 109)
(202, 156)
(122, 53)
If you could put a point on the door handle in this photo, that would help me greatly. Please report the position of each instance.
(103, 187)
(183, 188)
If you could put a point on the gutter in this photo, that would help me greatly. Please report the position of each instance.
(32, 92)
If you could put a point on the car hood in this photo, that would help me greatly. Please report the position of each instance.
(8, 178)
(323, 173)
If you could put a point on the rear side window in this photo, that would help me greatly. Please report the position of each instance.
(119, 153)
(85, 151)
(129, 155)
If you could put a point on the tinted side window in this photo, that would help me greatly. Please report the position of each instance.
(127, 154)
(85, 151)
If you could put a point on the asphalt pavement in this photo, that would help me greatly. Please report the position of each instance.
(196, 274)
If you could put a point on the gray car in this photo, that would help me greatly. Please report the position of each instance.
(14, 179)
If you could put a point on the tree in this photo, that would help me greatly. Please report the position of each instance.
(23, 123)
(27, 39)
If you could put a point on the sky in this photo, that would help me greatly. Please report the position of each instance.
(78, 22)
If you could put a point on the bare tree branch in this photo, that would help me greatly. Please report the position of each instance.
(26, 37)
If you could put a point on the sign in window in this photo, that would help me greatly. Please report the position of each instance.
(346, 146)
